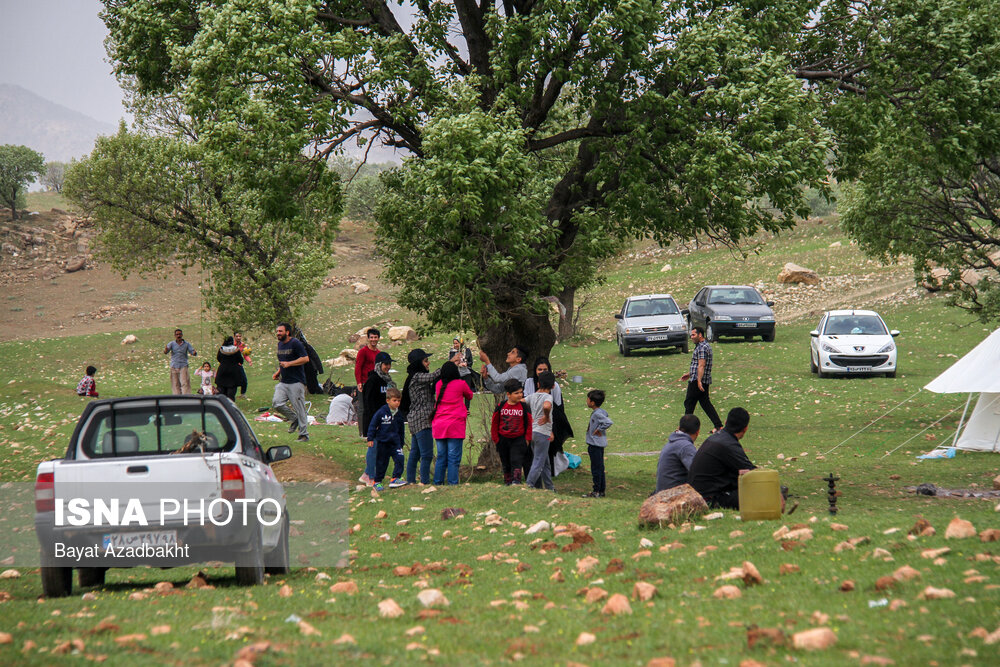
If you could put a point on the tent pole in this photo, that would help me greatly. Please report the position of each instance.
(961, 421)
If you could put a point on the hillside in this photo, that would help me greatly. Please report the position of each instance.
(55, 131)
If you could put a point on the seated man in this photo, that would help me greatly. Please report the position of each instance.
(717, 466)
(676, 456)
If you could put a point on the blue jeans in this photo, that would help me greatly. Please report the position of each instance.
(450, 454)
(371, 456)
(422, 449)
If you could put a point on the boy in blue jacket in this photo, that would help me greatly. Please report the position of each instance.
(385, 432)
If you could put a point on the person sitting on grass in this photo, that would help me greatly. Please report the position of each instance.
(720, 461)
(510, 431)
(676, 456)
(87, 386)
(385, 435)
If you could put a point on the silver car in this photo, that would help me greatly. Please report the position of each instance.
(650, 320)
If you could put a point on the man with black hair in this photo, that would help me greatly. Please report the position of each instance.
(291, 387)
(699, 377)
(516, 370)
(676, 456)
(717, 466)
(364, 364)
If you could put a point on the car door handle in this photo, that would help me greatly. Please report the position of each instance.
(135, 470)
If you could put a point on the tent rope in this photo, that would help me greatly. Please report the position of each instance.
(873, 422)
(924, 430)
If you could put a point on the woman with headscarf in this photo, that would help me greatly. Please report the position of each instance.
(229, 375)
(448, 423)
(561, 429)
(418, 406)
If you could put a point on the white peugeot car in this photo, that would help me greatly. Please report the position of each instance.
(852, 342)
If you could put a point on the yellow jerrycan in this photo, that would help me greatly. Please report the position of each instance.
(760, 495)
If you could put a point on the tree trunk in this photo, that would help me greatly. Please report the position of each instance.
(531, 331)
(567, 298)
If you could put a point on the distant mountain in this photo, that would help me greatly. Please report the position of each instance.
(58, 133)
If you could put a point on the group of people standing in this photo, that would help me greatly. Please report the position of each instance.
(226, 379)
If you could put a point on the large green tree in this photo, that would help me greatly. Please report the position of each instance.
(19, 166)
(540, 133)
(927, 167)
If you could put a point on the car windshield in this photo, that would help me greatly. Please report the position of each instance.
(735, 296)
(854, 325)
(650, 307)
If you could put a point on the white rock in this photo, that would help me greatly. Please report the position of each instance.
(666, 267)
(646, 543)
(432, 597)
(129, 339)
(403, 333)
(360, 288)
(538, 528)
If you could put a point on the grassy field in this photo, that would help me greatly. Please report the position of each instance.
(518, 597)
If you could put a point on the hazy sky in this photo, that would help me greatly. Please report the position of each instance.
(55, 49)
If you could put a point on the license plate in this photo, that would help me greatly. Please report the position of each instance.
(859, 369)
(746, 325)
(652, 339)
(153, 538)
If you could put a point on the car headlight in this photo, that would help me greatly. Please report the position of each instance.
(767, 318)
(721, 318)
(631, 330)
(888, 347)
(830, 348)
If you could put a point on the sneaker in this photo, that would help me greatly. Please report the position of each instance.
(365, 479)
(378, 487)
(593, 494)
(293, 427)
(303, 438)
(397, 482)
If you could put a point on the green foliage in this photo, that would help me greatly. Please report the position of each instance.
(363, 189)
(156, 199)
(928, 165)
(19, 166)
(540, 133)
(55, 176)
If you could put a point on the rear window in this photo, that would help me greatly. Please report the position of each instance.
(152, 429)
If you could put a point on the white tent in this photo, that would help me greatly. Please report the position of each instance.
(976, 372)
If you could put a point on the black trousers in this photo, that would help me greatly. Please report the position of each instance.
(512, 452)
(596, 455)
(727, 500)
(695, 396)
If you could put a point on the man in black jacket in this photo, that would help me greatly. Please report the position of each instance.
(717, 466)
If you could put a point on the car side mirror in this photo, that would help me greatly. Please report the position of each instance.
(814, 333)
(279, 453)
(894, 333)
(770, 303)
(618, 316)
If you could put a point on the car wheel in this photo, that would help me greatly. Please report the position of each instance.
(91, 576)
(57, 582)
(250, 565)
(624, 348)
(812, 364)
(278, 561)
(768, 338)
(686, 348)
(820, 373)
(709, 332)
(891, 374)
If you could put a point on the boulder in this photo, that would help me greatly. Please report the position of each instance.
(345, 358)
(793, 273)
(403, 333)
(672, 506)
(75, 264)
(10, 249)
(360, 288)
(938, 276)
(959, 529)
(129, 339)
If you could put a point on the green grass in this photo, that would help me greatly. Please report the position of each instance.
(43, 201)
(800, 426)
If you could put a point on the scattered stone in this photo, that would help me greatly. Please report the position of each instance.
(360, 288)
(403, 333)
(643, 591)
(75, 264)
(585, 638)
(432, 597)
(538, 528)
(793, 273)
(389, 609)
(674, 505)
(788, 568)
(931, 593)
(345, 587)
(935, 553)
(452, 513)
(727, 592)
(846, 586)
(129, 340)
(617, 605)
(959, 529)
(990, 535)
(595, 594)
(751, 575)
(905, 573)
(814, 640)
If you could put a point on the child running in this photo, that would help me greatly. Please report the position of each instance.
(597, 441)
(385, 434)
(87, 386)
(511, 431)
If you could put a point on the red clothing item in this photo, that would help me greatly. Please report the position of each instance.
(451, 413)
(364, 364)
(511, 421)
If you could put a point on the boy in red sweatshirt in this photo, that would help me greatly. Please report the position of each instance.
(511, 431)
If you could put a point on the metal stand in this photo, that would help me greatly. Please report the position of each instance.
(832, 492)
